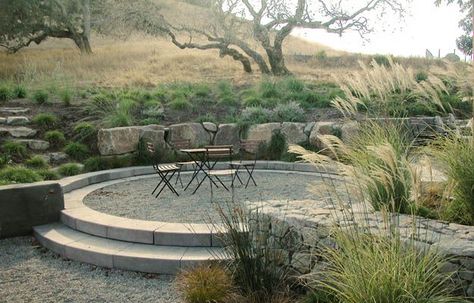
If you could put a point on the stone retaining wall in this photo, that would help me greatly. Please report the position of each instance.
(122, 140)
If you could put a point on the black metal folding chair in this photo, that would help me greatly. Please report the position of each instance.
(250, 147)
(178, 144)
(165, 171)
(214, 153)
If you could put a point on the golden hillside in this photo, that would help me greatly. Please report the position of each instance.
(147, 61)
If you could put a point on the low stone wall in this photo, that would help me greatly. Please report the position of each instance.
(122, 140)
(25, 206)
(312, 221)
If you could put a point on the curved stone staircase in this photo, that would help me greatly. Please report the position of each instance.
(92, 237)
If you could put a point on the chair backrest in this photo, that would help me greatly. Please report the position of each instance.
(219, 151)
(152, 152)
(181, 143)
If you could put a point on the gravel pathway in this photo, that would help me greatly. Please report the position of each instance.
(29, 273)
(133, 199)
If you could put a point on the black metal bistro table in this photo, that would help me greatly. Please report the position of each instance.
(199, 157)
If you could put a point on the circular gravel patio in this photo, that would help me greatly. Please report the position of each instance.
(133, 199)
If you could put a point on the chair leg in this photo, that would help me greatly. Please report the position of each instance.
(250, 172)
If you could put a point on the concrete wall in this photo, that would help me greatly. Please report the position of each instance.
(25, 206)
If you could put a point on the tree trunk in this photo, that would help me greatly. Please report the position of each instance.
(277, 62)
(83, 44)
(86, 35)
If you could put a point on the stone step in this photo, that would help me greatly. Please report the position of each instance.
(14, 110)
(17, 120)
(17, 132)
(109, 253)
(36, 145)
(107, 226)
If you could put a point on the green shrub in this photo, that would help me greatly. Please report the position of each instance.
(225, 94)
(290, 112)
(5, 93)
(421, 76)
(256, 115)
(55, 137)
(277, 147)
(4, 159)
(37, 162)
(180, 103)
(15, 150)
(19, 91)
(269, 89)
(66, 97)
(47, 174)
(207, 118)
(205, 284)
(45, 120)
(18, 174)
(293, 85)
(69, 169)
(41, 97)
(76, 151)
(100, 163)
(85, 132)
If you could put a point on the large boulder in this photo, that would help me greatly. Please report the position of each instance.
(263, 132)
(210, 127)
(154, 134)
(322, 128)
(294, 132)
(118, 141)
(194, 132)
(228, 134)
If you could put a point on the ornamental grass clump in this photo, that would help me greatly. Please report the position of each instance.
(257, 248)
(372, 256)
(387, 90)
(457, 156)
(206, 283)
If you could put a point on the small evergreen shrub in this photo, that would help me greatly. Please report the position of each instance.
(291, 112)
(103, 163)
(277, 147)
(66, 97)
(69, 169)
(421, 76)
(45, 120)
(19, 91)
(5, 93)
(205, 284)
(15, 150)
(37, 162)
(41, 97)
(55, 138)
(18, 174)
(180, 103)
(85, 132)
(48, 174)
(76, 151)
(256, 115)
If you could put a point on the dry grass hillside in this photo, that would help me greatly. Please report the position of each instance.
(147, 61)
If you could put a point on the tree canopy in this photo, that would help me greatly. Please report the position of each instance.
(255, 30)
(23, 22)
(464, 42)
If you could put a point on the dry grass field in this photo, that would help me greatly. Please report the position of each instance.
(147, 61)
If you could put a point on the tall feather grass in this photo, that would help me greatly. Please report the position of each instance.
(384, 89)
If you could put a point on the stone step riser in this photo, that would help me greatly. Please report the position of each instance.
(81, 247)
(157, 233)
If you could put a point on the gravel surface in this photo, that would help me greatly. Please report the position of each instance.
(29, 273)
(133, 199)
